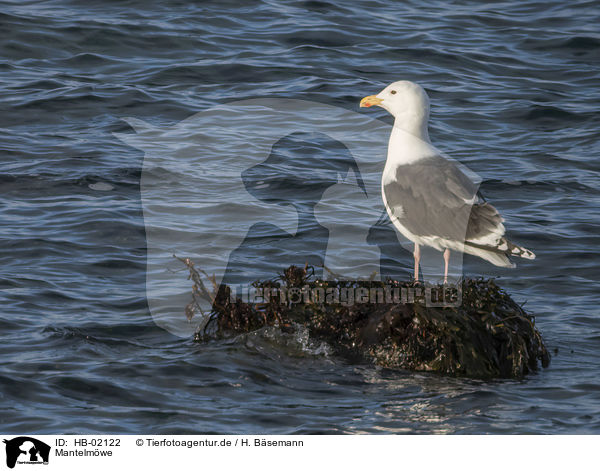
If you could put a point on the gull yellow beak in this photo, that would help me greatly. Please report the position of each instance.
(369, 101)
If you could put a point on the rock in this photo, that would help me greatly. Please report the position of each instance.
(474, 330)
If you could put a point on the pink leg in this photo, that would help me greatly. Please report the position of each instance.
(446, 261)
(417, 255)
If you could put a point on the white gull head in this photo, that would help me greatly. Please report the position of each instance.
(408, 103)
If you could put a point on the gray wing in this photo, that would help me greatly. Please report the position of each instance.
(432, 197)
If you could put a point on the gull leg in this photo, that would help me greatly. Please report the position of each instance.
(446, 261)
(417, 255)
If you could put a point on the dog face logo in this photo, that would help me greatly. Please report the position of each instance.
(26, 450)
(233, 173)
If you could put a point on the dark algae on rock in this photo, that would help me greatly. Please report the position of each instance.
(479, 331)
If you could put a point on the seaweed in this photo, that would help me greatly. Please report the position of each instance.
(476, 331)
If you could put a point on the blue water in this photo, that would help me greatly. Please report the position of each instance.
(515, 92)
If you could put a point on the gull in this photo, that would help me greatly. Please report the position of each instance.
(428, 198)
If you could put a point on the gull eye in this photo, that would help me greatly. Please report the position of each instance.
(393, 92)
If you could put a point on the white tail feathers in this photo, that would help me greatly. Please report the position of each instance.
(518, 251)
(498, 254)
